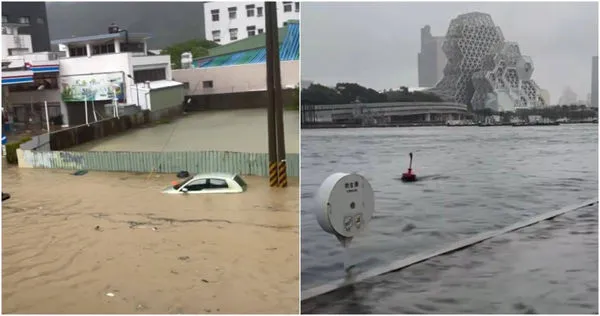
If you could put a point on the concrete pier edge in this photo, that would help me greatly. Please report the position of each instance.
(465, 243)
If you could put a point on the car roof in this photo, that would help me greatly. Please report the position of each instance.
(217, 175)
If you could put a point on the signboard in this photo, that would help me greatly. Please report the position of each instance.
(97, 87)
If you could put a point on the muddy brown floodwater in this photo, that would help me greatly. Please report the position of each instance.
(112, 243)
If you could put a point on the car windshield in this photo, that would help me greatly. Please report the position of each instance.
(240, 181)
(177, 186)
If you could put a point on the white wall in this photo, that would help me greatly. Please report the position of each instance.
(143, 95)
(242, 20)
(240, 78)
(99, 64)
(9, 42)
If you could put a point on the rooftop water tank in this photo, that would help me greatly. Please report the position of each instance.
(186, 60)
(113, 28)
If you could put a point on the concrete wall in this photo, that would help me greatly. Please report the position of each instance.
(161, 99)
(78, 135)
(240, 78)
(242, 100)
(242, 20)
(37, 143)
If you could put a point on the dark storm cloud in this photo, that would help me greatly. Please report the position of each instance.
(376, 44)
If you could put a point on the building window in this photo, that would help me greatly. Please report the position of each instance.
(40, 20)
(250, 10)
(4, 19)
(233, 34)
(77, 51)
(134, 47)
(216, 36)
(6, 30)
(141, 76)
(215, 15)
(251, 30)
(103, 49)
(297, 4)
(260, 31)
(287, 7)
(259, 12)
(24, 20)
(207, 84)
(17, 51)
(232, 13)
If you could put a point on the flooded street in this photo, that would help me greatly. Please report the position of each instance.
(112, 243)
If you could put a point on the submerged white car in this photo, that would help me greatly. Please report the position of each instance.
(209, 183)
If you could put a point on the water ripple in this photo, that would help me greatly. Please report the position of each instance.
(475, 179)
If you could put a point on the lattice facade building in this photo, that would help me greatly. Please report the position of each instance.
(484, 70)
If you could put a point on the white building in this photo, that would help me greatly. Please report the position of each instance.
(14, 43)
(108, 68)
(91, 74)
(226, 22)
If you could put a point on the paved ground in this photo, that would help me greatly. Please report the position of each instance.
(238, 130)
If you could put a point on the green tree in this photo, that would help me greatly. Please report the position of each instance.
(198, 48)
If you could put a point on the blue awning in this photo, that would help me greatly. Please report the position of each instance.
(44, 69)
(17, 80)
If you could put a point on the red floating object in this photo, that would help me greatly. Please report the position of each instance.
(409, 176)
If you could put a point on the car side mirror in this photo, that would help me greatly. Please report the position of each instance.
(184, 190)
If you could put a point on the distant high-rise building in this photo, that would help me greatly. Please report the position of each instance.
(431, 59)
(568, 97)
(24, 28)
(545, 94)
(594, 99)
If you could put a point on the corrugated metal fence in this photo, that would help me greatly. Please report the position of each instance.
(160, 162)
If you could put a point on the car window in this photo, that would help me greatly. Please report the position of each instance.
(197, 185)
(218, 184)
(240, 181)
(177, 186)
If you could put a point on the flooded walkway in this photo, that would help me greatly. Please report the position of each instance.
(112, 243)
(235, 130)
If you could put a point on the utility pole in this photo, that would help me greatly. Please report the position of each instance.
(277, 162)
(273, 178)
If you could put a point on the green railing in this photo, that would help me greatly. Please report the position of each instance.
(160, 162)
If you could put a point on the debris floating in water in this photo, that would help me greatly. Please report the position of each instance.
(80, 172)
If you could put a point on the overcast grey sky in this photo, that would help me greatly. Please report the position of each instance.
(376, 43)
